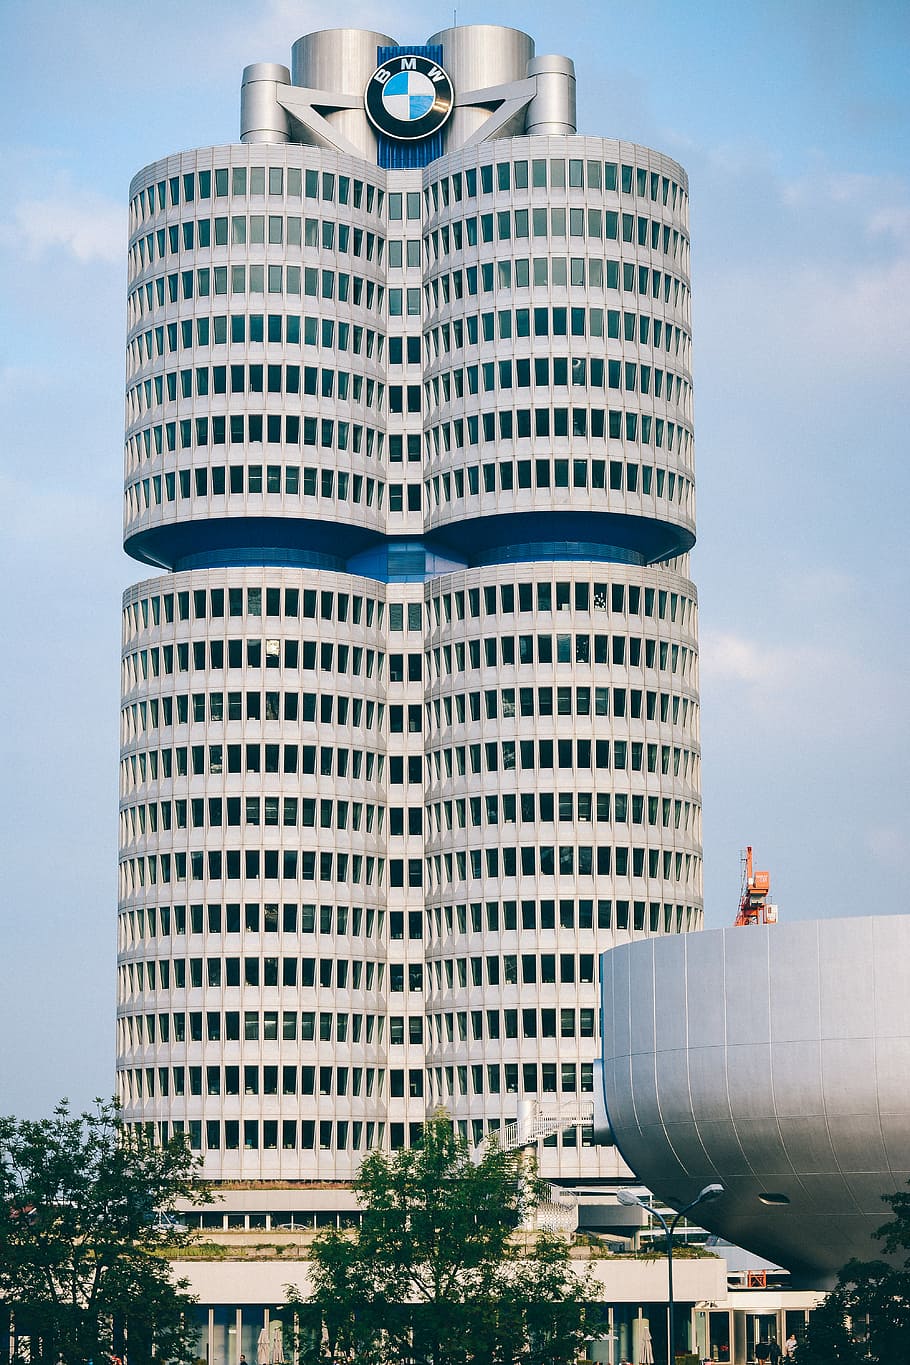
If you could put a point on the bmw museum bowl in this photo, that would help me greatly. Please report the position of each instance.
(774, 1059)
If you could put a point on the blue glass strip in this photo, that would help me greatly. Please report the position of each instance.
(533, 551)
(272, 556)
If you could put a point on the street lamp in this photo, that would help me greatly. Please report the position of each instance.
(703, 1197)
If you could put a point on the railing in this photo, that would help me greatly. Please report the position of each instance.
(537, 1123)
(558, 1210)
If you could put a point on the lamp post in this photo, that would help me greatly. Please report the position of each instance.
(629, 1197)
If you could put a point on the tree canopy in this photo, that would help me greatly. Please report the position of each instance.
(436, 1271)
(87, 1205)
(865, 1320)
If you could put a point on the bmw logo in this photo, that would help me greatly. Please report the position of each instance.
(409, 97)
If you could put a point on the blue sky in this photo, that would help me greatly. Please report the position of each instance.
(792, 120)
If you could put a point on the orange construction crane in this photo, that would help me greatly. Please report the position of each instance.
(756, 888)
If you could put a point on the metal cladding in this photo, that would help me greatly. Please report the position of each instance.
(494, 86)
(774, 1060)
(410, 725)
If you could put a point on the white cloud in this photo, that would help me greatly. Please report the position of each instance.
(88, 227)
(795, 691)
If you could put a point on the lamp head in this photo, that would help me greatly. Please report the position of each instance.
(628, 1197)
(710, 1192)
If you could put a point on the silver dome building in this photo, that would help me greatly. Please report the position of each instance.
(774, 1060)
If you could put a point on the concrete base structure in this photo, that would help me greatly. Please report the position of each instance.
(239, 1298)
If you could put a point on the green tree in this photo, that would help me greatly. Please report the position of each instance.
(438, 1271)
(87, 1209)
(865, 1320)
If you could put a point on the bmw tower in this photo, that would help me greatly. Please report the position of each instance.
(409, 727)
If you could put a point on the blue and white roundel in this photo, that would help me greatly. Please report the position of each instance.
(409, 97)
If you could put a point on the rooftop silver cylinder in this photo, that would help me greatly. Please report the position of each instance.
(476, 57)
(262, 118)
(552, 110)
(341, 60)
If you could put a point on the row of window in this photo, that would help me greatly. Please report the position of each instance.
(155, 921)
(508, 476)
(219, 280)
(489, 377)
(542, 173)
(253, 811)
(523, 423)
(502, 599)
(343, 1028)
(256, 329)
(636, 328)
(252, 864)
(538, 649)
(306, 973)
(306, 759)
(289, 602)
(548, 808)
(458, 707)
(151, 922)
(505, 375)
(510, 808)
(554, 223)
(147, 923)
(239, 181)
(203, 382)
(561, 595)
(140, 665)
(268, 1026)
(342, 1081)
(529, 755)
(444, 869)
(147, 715)
(494, 917)
(243, 429)
(564, 860)
(255, 229)
(326, 1135)
(508, 274)
(569, 649)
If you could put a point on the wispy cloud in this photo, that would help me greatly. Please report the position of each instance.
(86, 226)
(798, 690)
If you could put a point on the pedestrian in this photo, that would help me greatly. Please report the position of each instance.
(790, 1346)
(774, 1352)
(762, 1350)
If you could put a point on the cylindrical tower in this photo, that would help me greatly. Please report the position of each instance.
(410, 720)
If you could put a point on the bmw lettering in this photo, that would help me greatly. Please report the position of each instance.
(409, 97)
